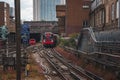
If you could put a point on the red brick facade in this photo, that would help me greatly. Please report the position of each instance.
(4, 14)
(76, 15)
(60, 13)
(5, 17)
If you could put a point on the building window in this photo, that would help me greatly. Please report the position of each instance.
(117, 9)
(107, 14)
(85, 4)
(5, 17)
(102, 16)
(85, 23)
(5, 13)
(85, 7)
(112, 12)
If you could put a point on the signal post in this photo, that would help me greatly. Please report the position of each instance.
(18, 39)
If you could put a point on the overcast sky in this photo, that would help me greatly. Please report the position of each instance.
(26, 8)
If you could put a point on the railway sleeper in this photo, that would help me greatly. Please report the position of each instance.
(75, 76)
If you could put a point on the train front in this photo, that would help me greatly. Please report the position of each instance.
(48, 40)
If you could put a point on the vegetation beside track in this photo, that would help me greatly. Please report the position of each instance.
(35, 72)
(105, 74)
(70, 41)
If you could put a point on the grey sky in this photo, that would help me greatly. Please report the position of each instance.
(26, 8)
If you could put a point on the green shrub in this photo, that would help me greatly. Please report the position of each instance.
(71, 42)
(63, 42)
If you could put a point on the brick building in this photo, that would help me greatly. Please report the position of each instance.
(39, 27)
(7, 18)
(60, 12)
(4, 14)
(77, 15)
(112, 14)
(104, 14)
(42, 26)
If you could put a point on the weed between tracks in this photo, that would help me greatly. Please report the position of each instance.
(35, 73)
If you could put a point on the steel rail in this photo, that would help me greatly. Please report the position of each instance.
(81, 70)
(61, 75)
(74, 76)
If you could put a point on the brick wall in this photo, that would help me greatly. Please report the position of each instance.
(4, 14)
(75, 15)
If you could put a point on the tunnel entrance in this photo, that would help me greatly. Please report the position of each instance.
(36, 36)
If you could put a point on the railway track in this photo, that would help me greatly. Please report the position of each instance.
(66, 70)
(56, 68)
(107, 61)
(87, 74)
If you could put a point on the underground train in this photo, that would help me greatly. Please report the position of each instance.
(49, 40)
